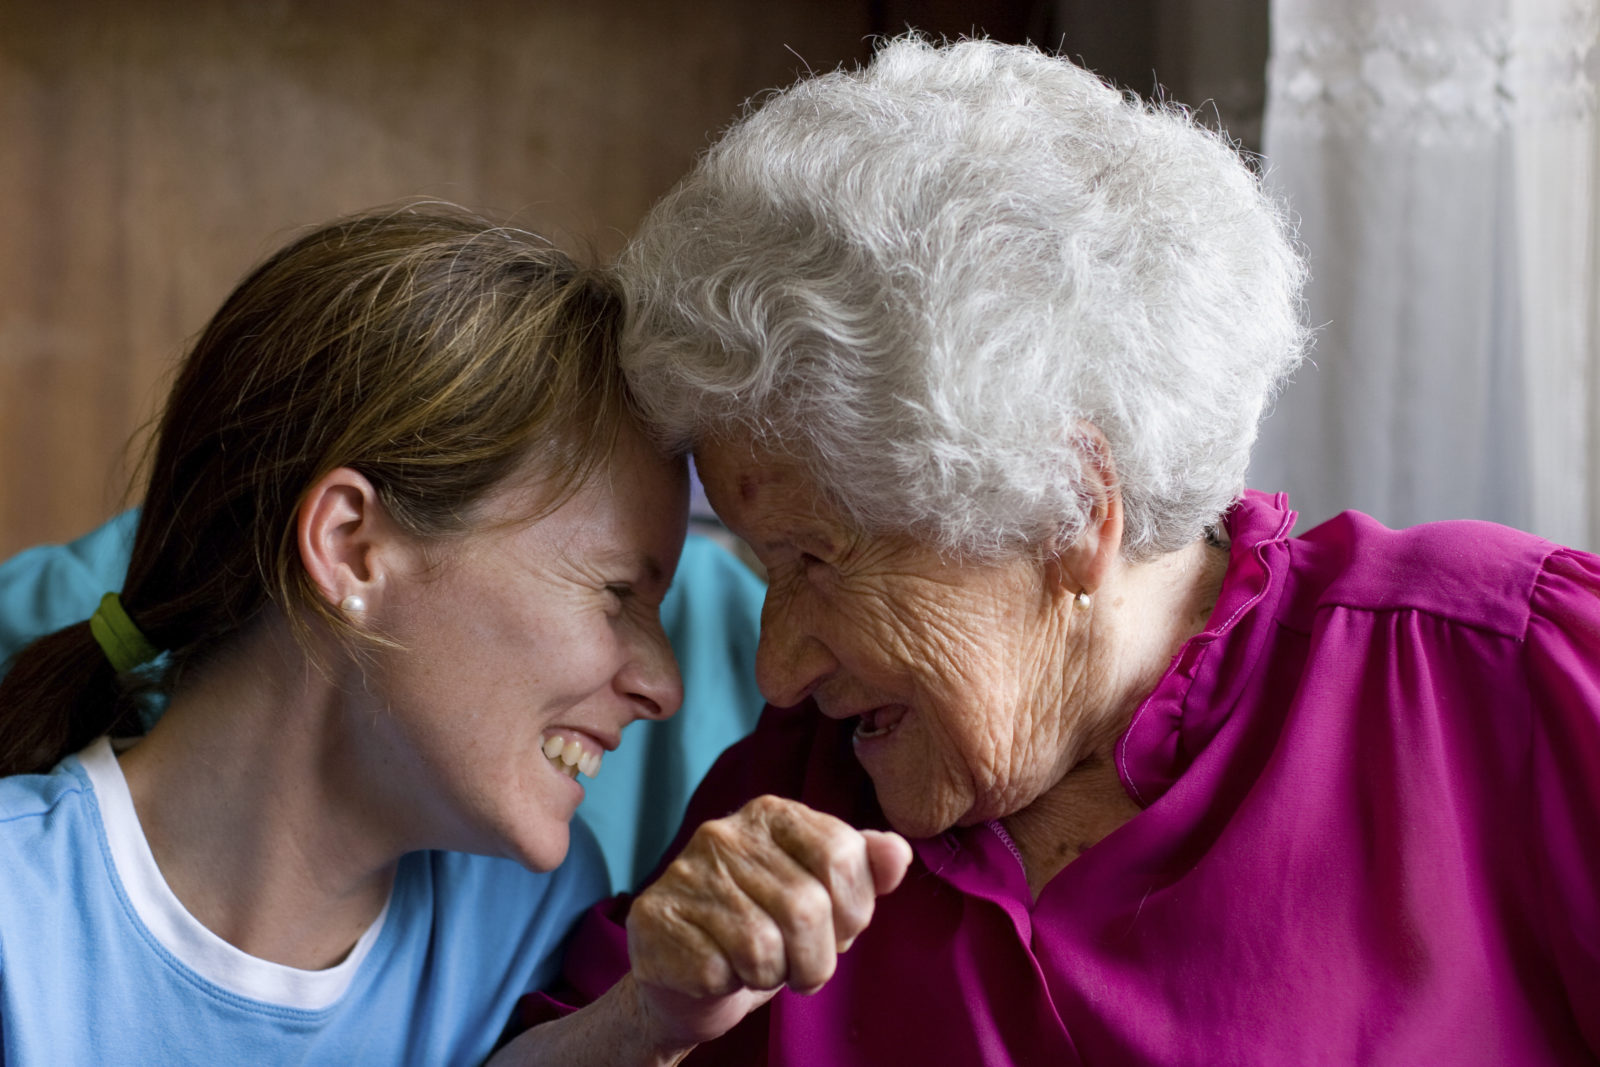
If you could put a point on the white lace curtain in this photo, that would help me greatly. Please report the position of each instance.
(1444, 161)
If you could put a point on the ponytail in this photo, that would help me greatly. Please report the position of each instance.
(59, 694)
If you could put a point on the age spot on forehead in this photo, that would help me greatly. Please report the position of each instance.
(750, 484)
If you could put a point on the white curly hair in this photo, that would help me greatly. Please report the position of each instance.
(932, 279)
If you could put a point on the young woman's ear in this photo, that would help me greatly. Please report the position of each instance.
(347, 541)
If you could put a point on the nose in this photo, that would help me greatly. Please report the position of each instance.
(790, 661)
(650, 680)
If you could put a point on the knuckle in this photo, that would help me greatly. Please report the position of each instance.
(852, 918)
(766, 942)
(815, 976)
(646, 912)
(709, 976)
(680, 874)
(810, 909)
(847, 857)
(767, 806)
(838, 836)
(718, 834)
(759, 958)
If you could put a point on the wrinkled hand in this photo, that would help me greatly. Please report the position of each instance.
(764, 898)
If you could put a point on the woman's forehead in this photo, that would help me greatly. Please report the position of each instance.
(739, 466)
(749, 484)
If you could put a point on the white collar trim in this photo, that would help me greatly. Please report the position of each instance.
(180, 933)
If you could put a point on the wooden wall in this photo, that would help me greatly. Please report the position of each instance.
(151, 151)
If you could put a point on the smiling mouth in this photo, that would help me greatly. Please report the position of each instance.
(879, 722)
(572, 754)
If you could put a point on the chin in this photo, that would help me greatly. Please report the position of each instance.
(542, 848)
(914, 818)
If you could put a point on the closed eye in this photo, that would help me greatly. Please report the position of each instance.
(815, 569)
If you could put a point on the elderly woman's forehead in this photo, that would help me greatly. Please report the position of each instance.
(749, 478)
(739, 474)
(741, 462)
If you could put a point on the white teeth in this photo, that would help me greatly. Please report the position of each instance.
(570, 757)
(565, 768)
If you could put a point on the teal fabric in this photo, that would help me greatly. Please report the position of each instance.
(45, 588)
(712, 615)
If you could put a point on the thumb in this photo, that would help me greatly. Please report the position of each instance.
(889, 855)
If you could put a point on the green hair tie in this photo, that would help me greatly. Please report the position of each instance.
(122, 642)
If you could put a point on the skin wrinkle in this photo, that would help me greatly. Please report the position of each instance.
(1001, 699)
(985, 655)
(1090, 801)
(757, 900)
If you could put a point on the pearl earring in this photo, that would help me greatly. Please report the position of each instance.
(1081, 601)
(352, 605)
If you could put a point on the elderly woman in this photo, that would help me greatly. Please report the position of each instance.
(971, 349)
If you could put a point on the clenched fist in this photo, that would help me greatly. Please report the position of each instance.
(767, 897)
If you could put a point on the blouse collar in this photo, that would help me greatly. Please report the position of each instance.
(1188, 704)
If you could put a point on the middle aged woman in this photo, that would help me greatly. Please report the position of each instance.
(971, 349)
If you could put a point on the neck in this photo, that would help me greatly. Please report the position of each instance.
(1140, 619)
(255, 833)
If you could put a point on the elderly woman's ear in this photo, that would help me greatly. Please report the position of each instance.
(1082, 565)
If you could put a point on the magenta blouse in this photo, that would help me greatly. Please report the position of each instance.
(1370, 835)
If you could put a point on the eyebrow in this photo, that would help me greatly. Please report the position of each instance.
(652, 567)
(630, 560)
(803, 540)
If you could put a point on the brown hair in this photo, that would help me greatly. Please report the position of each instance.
(423, 347)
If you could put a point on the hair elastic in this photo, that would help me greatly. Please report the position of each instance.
(122, 642)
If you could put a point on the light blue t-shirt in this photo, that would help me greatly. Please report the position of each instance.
(100, 965)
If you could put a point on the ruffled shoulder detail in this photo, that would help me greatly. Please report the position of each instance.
(1150, 754)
